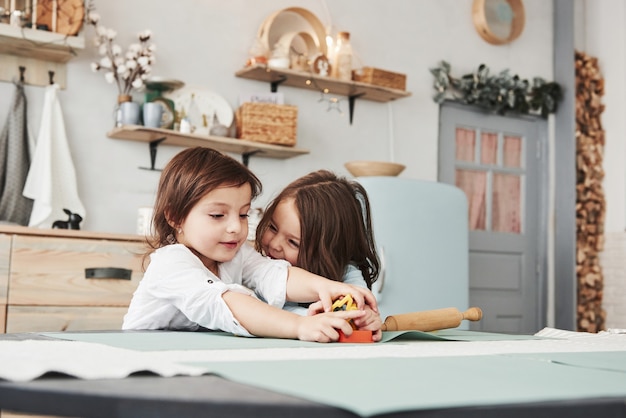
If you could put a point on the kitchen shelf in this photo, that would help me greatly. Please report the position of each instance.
(317, 83)
(156, 136)
(39, 44)
(352, 89)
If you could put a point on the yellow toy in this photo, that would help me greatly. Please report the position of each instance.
(345, 304)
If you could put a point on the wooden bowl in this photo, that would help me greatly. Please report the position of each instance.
(373, 168)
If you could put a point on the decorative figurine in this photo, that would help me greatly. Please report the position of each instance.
(72, 222)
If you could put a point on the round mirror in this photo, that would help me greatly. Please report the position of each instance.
(498, 21)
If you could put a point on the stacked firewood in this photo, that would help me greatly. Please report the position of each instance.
(590, 203)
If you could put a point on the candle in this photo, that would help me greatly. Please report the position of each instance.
(54, 15)
(34, 15)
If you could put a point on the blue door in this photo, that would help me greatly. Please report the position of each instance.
(499, 162)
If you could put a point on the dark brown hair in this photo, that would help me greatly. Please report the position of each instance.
(335, 225)
(189, 176)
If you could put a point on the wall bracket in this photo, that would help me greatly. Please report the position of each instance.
(282, 78)
(153, 152)
(275, 83)
(351, 102)
(245, 157)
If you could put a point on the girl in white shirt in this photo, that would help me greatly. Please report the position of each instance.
(201, 275)
(322, 223)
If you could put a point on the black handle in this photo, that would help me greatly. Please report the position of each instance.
(108, 273)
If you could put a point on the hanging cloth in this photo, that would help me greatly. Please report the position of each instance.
(15, 162)
(51, 180)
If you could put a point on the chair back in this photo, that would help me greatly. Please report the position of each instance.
(421, 233)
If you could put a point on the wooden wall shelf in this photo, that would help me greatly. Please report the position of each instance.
(39, 44)
(317, 83)
(309, 81)
(39, 52)
(246, 148)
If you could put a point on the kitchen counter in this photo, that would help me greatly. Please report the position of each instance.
(49, 232)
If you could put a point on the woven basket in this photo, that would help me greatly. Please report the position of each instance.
(268, 123)
(380, 77)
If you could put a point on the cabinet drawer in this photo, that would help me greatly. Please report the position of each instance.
(52, 271)
(63, 318)
(5, 251)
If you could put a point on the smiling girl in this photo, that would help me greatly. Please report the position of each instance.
(201, 275)
(322, 223)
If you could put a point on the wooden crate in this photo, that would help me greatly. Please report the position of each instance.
(380, 77)
(268, 123)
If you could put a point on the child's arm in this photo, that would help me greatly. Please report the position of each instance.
(264, 320)
(303, 286)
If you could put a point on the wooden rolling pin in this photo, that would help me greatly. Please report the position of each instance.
(430, 320)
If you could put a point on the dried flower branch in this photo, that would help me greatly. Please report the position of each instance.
(127, 70)
(501, 93)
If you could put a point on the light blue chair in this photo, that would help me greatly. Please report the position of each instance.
(421, 232)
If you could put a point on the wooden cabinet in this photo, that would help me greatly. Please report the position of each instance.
(61, 280)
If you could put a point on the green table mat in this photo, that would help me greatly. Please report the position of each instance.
(178, 340)
(381, 385)
(614, 361)
(385, 385)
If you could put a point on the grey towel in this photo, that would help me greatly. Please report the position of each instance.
(15, 162)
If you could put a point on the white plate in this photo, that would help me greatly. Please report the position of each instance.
(199, 106)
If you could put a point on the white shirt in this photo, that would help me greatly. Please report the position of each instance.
(178, 292)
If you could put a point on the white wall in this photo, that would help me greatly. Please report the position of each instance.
(204, 42)
(605, 38)
(602, 34)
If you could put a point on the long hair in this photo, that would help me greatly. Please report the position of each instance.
(188, 177)
(335, 225)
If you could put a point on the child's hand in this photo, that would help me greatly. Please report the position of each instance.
(325, 327)
(318, 307)
(370, 321)
(335, 290)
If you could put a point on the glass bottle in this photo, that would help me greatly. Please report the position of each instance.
(194, 115)
(342, 62)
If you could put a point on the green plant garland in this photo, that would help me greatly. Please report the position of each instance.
(501, 94)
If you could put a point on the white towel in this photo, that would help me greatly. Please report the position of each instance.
(51, 180)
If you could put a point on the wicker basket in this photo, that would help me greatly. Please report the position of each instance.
(381, 78)
(268, 123)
